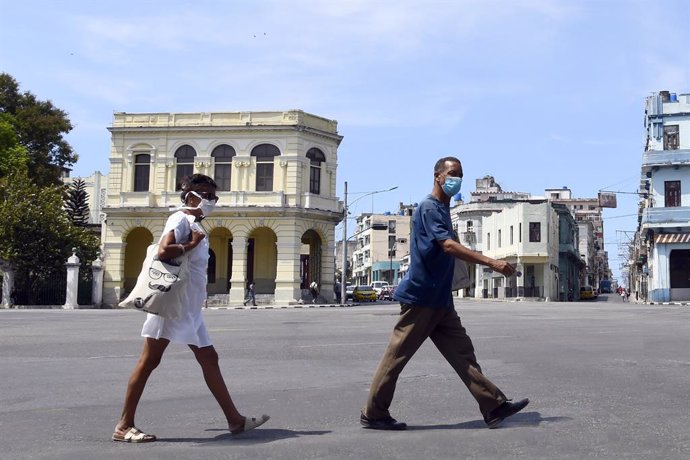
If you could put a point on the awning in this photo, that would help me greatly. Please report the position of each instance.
(669, 238)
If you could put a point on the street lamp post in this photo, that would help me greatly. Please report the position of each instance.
(390, 254)
(343, 277)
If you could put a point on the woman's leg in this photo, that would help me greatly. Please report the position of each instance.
(208, 359)
(150, 358)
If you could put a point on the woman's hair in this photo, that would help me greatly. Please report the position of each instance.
(189, 183)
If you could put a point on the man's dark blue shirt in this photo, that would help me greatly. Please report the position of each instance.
(429, 278)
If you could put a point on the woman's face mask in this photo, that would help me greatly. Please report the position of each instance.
(206, 205)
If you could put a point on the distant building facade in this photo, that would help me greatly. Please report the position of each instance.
(97, 188)
(659, 269)
(275, 221)
(382, 240)
(586, 210)
(538, 236)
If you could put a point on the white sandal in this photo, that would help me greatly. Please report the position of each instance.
(133, 435)
(250, 423)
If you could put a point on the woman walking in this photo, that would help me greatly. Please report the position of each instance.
(199, 198)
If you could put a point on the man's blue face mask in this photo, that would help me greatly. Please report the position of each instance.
(452, 185)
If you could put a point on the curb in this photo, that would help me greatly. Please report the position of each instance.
(282, 307)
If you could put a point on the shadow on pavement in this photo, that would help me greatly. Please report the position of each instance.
(264, 435)
(521, 419)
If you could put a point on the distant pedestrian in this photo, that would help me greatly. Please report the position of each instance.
(427, 309)
(251, 294)
(337, 287)
(314, 290)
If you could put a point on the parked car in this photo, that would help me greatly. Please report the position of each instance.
(386, 293)
(586, 292)
(363, 293)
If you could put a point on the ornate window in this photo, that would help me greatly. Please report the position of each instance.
(142, 168)
(316, 157)
(223, 166)
(264, 153)
(185, 164)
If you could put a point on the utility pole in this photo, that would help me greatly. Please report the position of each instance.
(343, 273)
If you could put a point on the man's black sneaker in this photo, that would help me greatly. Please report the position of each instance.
(388, 423)
(494, 417)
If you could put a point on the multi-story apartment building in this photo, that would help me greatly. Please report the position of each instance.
(467, 218)
(275, 221)
(660, 266)
(382, 241)
(586, 210)
(538, 236)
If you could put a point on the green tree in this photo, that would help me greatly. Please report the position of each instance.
(13, 157)
(39, 127)
(77, 203)
(36, 235)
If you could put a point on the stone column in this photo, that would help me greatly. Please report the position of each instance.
(7, 284)
(519, 267)
(113, 263)
(328, 268)
(97, 282)
(72, 281)
(287, 274)
(239, 269)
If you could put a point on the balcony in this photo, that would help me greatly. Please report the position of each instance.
(468, 237)
(666, 217)
(656, 158)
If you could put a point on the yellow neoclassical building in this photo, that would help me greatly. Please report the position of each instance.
(275, 221)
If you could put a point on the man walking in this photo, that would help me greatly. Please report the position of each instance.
(251, 294)
(427, 309)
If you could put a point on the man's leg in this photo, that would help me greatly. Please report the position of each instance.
(412, 329)
(452, 341)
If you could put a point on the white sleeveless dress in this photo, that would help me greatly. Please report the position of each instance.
(189, 328)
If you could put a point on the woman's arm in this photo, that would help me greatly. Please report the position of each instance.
(170, 249)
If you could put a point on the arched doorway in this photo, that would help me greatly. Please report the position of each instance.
(137, 241)
(220, 264)
(310, 259)
(262, 260)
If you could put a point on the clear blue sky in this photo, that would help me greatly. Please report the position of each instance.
(537, 93)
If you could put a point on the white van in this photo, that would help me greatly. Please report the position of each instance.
(379, 286)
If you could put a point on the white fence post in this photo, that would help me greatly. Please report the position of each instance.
(72, 281)
(97, 283)
(7, 284)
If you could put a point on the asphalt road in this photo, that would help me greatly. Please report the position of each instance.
(606, 379)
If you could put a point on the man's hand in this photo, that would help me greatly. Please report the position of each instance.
(502, 267)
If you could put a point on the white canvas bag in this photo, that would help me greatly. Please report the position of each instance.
(159, 285)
